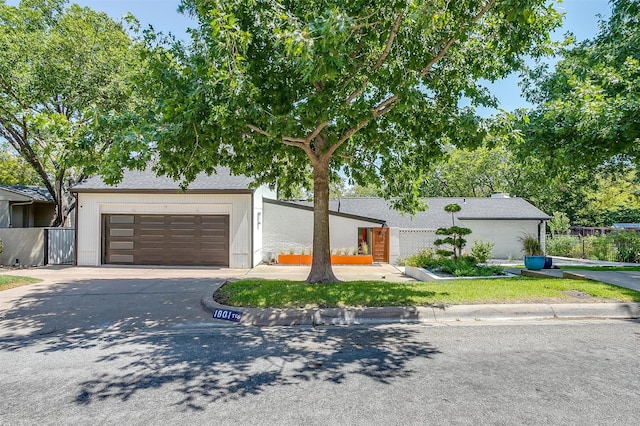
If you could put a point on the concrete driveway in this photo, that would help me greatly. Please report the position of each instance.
(131, 298)
(99, 299)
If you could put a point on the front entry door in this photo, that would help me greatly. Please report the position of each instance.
(380, 246)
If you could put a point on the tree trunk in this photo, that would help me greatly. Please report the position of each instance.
(321, 271)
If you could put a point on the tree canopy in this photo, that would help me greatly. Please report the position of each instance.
(15, 171)
(588, 107)
(64, 74)
(283, 90)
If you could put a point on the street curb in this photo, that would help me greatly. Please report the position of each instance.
(427, 314)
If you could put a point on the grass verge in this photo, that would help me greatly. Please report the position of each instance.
(295, 294)
(11, 281)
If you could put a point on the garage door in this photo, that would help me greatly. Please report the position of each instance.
(166, 240)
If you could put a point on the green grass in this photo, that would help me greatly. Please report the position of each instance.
(602, 268)
(10, 281)
(294, 294)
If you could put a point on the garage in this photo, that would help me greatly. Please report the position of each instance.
(153, 220)
(166, 239)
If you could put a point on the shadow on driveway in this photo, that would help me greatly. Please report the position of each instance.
(95, 305)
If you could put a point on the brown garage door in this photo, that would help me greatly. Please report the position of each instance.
(166, 240)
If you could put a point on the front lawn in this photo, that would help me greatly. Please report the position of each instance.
(10, 281)
(295, 294)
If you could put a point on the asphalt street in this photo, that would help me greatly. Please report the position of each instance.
(535, 373)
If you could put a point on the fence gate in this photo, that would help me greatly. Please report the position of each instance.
(60, 246)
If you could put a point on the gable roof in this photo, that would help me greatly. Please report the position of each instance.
(148, 181)
(37, 193)
(435, 216)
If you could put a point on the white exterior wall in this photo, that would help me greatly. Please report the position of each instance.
(504, 234)
(258, 222)
(91, 206)
(292, 228)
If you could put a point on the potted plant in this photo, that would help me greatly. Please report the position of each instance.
(533, 258)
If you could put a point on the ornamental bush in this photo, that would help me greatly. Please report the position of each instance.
(481, 250)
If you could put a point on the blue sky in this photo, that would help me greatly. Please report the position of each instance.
(580, 19)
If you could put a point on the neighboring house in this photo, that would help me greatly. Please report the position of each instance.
(25, 212)
(24, 206)
(392, 235)
(149, 220)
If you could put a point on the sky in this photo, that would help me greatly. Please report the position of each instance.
(580, 19)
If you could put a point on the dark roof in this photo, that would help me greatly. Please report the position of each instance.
(306, 206)
(148, 181)
(38, 193)
(435, 216)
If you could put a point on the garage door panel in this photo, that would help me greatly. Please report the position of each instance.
(166, 240)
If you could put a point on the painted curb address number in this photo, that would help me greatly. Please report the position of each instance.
(225, 314)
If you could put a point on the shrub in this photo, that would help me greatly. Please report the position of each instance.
(482, 250)
(1, 246)
(627, 245)
(563, 245)
(465, 266)
(603, 248)
(422, 259)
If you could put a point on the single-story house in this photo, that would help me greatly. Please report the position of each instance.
(391, 235)
(222, 220)
(149, 220)
(23, 206)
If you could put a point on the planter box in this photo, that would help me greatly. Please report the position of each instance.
(305, 259)
(294, 259)
(422, 274)
(350, 259)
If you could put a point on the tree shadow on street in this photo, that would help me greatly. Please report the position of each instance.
(236, 362)
(141, 348)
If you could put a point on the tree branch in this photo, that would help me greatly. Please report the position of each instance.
(259, 130)
(380, 109)
(452, 40)
(316, 132)
(381, 59)
(392, 36)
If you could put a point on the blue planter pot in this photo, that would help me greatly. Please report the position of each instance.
(534, 262)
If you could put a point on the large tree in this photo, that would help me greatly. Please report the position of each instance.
(63, 73)
(281, 90)
(588, 107)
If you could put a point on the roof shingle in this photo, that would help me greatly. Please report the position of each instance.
(147, 180)
(435, 216)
